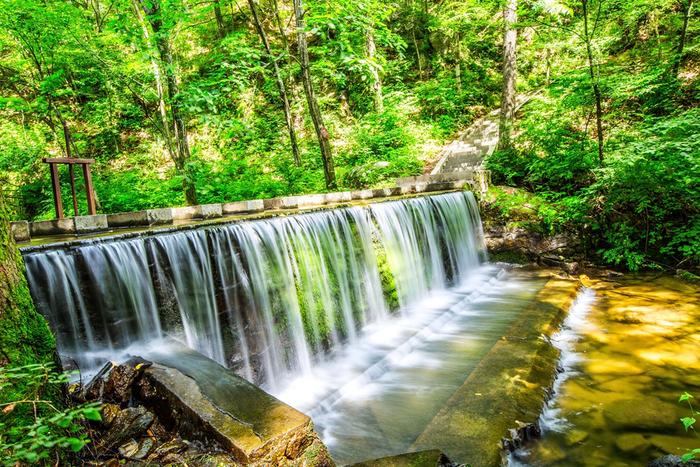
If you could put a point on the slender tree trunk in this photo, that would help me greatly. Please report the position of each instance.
(220, 26)
(321, 132)
(162, 40)
(376, 79)
(24, 335)
(281, 87)
(678, 56)
(510, 46)
(594, 83)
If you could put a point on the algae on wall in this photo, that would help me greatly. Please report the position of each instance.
(25, 337)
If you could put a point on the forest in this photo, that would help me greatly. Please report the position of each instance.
(183, 102)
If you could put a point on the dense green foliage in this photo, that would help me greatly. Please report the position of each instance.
(394, 81)
(32, 428)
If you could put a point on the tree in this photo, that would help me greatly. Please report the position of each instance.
(510, 38)
(593, 74)
(678, 56)
(161, 31)
(24, 334)
(376, 79)
(281, 86)
(316, 117)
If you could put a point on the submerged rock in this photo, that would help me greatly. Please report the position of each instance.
(672, 461)
(643, 413)
(136, 450)
(631, 442)
(428, 458)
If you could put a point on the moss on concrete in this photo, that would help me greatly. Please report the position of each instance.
(509, 386)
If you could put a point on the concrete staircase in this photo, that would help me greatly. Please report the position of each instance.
(463, 158)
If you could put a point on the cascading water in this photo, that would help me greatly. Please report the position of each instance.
(269, 297)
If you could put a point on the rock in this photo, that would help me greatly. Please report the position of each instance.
(631, 442)
(136, 450)
(428, 458)
(641, 413)
(94, 389)
(109, 413)
(174, 446)
(574, 437)
(119, 382)
(572, 267)
(205, 402)
(672, 461)
(676, 445)
(128, 423)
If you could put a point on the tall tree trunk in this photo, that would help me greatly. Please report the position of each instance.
(162, 40)
(510, 46)
(220, 26)
(376, 79)
(281, 87)
(678, 56)
(321, 132)
(24, 335)
(594, 83)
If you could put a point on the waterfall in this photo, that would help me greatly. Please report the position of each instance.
(268, 297)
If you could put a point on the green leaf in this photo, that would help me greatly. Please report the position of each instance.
(75, 444)
(685, 397)
(687, 422)
(92, 414)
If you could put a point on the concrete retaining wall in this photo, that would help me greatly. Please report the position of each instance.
(24, 231)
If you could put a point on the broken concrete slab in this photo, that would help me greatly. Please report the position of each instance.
(207, 402)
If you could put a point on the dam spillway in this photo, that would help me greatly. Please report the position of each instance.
(271, 298)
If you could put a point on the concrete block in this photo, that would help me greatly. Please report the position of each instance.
(241, 207)
(406, 189)
(289, 202)
(420, 187)
(438, 186)
(185, 213)
(403, 181)
(363, 194)
(338, 197)
(88, 224)
(272, 203)
(161, 216)
(127, 219)
(64, 226)
(20, 231)
(210, 211)
(381, 192)
(311, 200)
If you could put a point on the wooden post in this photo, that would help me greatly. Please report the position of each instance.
(56, 185)
(71, 170)
(90, 191)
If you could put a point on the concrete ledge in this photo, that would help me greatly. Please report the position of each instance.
(127, 219)
(338, 197)
(210, 211)
(311, 200)
(159, 216)
(505, 393)
(20, 231)
(185, 213)
(362, 194)
(241, 207)
(52, 227)
(89, 224)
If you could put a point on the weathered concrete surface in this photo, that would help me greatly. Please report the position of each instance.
(209, 211)
(508, 388)
(207, 402)
(90, 224)
(20, 230)
(428, 458)
(185, 213)
(127, 219)
(240, 207)
(159, 216)
(338, 197)
(64, 226)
